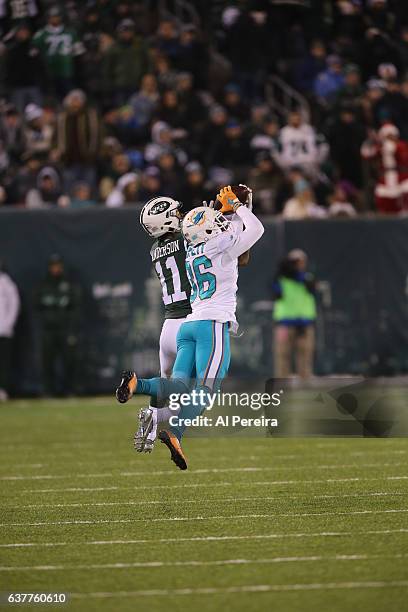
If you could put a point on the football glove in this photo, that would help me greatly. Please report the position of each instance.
(228, 199)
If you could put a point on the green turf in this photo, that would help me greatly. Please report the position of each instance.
(328, 515)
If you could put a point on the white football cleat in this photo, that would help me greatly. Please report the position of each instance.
(146, 434)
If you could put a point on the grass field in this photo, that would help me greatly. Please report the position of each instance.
(254, 524)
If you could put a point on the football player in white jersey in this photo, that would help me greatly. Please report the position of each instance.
(161, 219)
(203, 341)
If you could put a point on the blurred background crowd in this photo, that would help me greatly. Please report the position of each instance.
(110, 102)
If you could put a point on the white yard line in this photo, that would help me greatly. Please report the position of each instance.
(112, 453)
(210, 484)
(194, 563)
(121, 460)
(202, 471)
(258, 588)
(153, 541)
(206, 518)
(375, 452)
(332, 466)
(213, 500)
(28, 465)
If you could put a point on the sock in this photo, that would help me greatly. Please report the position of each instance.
(187, 412)
(160, 389)
(158, 403)
(164, 414)
(153, 432)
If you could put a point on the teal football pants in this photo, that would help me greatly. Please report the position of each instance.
(203, 349)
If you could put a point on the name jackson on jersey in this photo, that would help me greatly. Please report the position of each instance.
(166, 249)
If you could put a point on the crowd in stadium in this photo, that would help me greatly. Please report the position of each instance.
(110, 102)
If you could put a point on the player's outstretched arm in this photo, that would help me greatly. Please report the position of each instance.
(251, 233)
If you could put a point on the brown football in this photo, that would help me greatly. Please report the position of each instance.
(241, 193)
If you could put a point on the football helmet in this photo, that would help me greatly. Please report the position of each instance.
(203, 223)
(160, 215)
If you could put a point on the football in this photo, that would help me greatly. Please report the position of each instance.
(241, 191)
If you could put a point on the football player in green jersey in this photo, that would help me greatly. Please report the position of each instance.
(161, 219)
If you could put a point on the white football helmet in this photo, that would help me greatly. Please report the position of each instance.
(203, 223)
(160, 215)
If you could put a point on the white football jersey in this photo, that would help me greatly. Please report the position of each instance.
(236, 222)
(212, 269)
(299, 146)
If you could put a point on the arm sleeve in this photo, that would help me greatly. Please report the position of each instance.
(237, 223)
(251, 233)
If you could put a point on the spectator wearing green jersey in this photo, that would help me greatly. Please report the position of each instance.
(59, 46)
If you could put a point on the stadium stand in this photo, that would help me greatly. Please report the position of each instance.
(109, 101)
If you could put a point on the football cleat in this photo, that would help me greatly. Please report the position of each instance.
(127, 386)
(146, 433)
(172, 443)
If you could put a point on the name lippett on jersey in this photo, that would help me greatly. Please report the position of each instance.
(192, 251)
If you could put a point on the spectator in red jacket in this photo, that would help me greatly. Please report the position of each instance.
(390, 154)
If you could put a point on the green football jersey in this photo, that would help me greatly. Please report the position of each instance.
(58, 46)
(168, 257)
